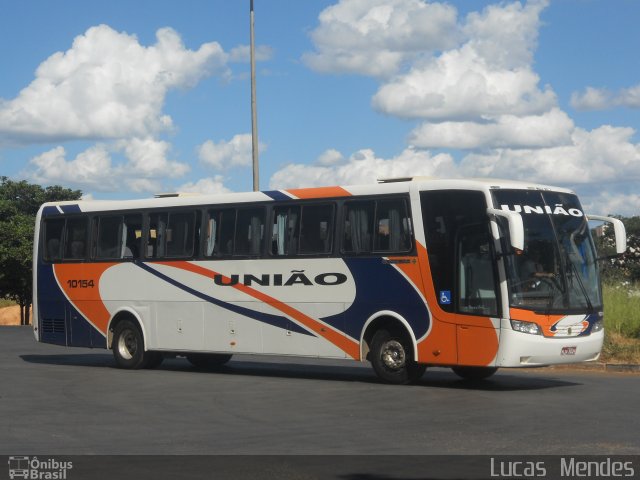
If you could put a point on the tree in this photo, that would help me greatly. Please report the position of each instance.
(19, 203)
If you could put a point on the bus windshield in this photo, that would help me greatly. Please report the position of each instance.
(557, 271)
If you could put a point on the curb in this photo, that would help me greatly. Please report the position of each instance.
(599, 367)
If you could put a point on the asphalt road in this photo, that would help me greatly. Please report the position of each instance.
(69, 401)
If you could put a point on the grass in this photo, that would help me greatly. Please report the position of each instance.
(6, 303)
(622, 324)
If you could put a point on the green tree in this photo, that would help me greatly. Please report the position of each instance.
(19, 203)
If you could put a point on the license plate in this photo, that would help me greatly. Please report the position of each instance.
(568, 351)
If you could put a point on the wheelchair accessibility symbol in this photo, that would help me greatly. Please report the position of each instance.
(445, 297)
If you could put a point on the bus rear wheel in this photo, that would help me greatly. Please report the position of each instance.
(391, 357)
(207, 361)
(474, 373)
(128, 347)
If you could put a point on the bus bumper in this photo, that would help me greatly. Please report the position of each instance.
(519, 349)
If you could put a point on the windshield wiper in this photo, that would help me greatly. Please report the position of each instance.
(576, 274)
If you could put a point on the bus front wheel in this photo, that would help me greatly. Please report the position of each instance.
(474, 373)
(128, 347)
(391, 357)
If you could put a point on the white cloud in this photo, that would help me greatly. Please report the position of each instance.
(330, 157)
(223, 155)
(605, 154)
(505, 35)
(364, 167)
(488, 75)
(552, 128)
(375, 37)
(107, 85)
(148, 158)
(602, 98)
(91, 168)
(144, 166)
(612, 203)
(205, 185)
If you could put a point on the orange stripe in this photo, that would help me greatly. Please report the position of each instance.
(346, 344)
(319, 192)
(86, 299)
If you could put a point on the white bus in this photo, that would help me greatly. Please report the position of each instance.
(408, 273)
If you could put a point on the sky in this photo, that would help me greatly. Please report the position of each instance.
(127, 99)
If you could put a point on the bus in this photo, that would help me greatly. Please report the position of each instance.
(406, 273)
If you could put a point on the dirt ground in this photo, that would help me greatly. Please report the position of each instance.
(10, 315)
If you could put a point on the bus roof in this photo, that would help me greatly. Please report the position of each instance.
(384, 186)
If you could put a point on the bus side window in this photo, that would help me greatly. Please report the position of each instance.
(316, 229)
(156, 236)
(285, 234)
(75, 239)
(131, 236)
(358, 227)
(179, 236)
(249, 232)
(53, 239)
(109, 234)
(393, 226)
(219, 236)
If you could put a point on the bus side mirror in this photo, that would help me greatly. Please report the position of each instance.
(618, 230)
(516, 227)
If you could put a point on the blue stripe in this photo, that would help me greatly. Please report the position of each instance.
(274, 320)
(277, 195)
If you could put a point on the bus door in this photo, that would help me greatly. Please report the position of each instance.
(460, 251)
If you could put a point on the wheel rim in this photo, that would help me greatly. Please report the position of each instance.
(127, 344)
(393, 355)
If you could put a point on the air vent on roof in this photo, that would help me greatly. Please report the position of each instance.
(176, 194)
(403, 179)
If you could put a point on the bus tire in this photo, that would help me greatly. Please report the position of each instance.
(206, 361)
(474, 373)
(128, 346)
(391, 357)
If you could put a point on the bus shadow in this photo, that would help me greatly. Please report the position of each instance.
(433, 378)
(77, 360)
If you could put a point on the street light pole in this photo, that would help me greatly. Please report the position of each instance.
(254, 115)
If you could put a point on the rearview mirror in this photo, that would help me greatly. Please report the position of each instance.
(618, 230)
(516, 227)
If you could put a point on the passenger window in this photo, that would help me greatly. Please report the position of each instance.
(156, 236)
(358, 227)
(76, 239)
(316, 229)
(393, 226)
(53, 239)
(171, 235)
(179, 234)
(109, 235)
(220, 228)
(131, 236)
(249, 232)
(285, 234)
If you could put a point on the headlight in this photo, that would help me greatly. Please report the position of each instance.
(597, 326)
(526, 327)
